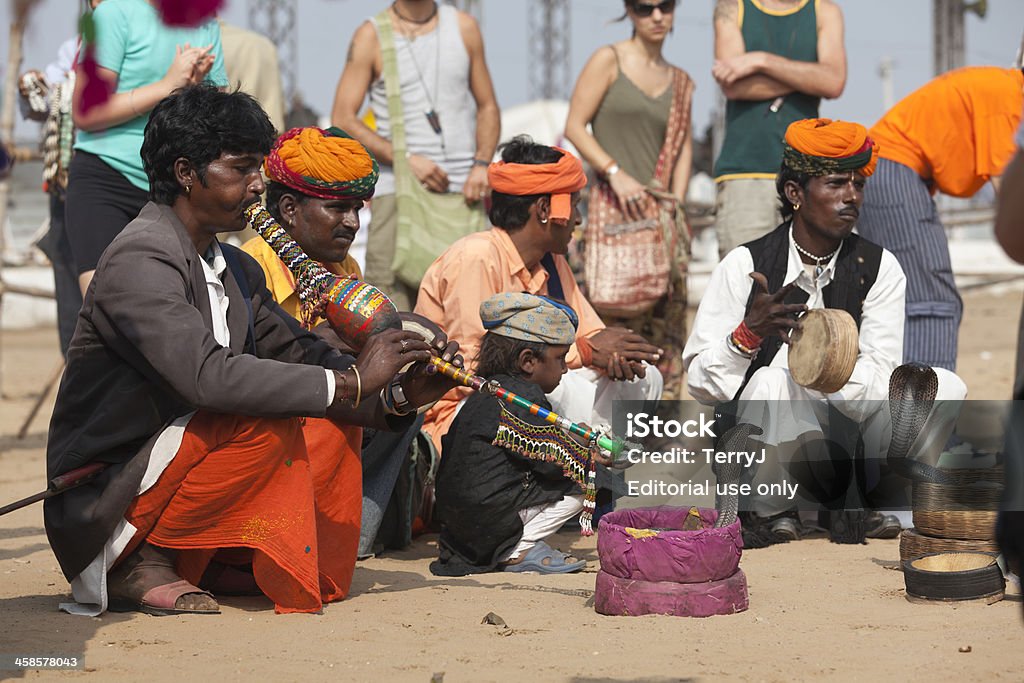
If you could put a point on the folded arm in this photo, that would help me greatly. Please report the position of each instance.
(762, 75)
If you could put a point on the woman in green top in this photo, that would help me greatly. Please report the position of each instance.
(638, 108)
(143, 61)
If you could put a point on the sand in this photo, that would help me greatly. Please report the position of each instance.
(817, 610)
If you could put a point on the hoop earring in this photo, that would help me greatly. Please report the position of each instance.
(544, 221)
(188, 190)
(796, 207)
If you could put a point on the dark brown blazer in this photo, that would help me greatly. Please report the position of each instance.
(143, 354)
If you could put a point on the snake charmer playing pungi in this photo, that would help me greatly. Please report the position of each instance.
(226, 425)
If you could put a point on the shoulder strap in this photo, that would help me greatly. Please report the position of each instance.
(231, 258)
(404, 179)
(618, 64)
(675, 132)
(392, 86)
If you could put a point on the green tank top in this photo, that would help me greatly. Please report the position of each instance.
(630, 125)
(753, 133)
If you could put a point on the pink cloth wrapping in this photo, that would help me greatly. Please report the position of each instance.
(618, 597)
(679, 556)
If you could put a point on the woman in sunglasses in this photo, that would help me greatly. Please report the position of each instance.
(638, 107)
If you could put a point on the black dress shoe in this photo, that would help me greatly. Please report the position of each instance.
(883, 526)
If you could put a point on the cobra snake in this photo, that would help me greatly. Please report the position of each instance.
(912, 390)
(735, 440)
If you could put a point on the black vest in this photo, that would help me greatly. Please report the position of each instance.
(855, 274)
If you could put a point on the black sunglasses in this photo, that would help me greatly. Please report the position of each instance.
(645, 10)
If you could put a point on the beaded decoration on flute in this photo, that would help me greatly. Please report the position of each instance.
(550, 444)
(317, 287)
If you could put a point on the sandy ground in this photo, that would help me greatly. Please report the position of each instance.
(817, 611)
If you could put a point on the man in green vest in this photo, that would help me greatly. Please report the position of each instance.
(774, 60)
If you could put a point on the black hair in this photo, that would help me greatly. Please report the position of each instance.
(630, 4)
(511, 212)
(786, 174)
(275, 191)
(199, 123)
(499, 355)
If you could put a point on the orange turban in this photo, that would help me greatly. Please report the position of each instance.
(328, 164)
(559, 179)
(822, 146)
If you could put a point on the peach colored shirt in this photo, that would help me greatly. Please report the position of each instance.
(957, 130)
(468, 272)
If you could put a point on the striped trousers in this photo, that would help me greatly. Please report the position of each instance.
(900, 215)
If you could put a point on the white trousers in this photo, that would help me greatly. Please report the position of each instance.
(585, 395)
(791, 415)
(540, 521)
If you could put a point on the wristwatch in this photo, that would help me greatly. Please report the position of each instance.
(399, 402)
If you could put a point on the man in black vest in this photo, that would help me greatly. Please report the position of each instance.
(813, 260)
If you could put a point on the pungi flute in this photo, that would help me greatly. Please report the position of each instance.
(355, 310)
(477, 383)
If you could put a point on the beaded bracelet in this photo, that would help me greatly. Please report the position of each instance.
(746, 337)
(740, 348)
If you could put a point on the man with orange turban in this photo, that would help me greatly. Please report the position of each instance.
(534, 208)
(317, 182)
(812, 261)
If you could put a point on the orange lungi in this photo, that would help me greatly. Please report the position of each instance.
(288, 489)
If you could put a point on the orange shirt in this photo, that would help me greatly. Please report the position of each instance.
(476, 267)
(956, 131)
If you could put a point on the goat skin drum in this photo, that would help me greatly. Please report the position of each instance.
(822, 354)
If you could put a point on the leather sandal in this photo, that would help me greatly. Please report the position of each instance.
(160, 601)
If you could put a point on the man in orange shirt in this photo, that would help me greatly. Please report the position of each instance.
(952, 135)
(535, 206)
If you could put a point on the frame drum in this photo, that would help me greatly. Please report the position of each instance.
(823, 353)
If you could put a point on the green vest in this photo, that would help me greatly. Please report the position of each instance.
(753, 133)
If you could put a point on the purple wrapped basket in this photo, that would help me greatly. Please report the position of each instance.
(629, 548)
(631, 597)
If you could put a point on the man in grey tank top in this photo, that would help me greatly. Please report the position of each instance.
(449, 111)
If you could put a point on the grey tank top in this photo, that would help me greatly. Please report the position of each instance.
(432, 68)
(631, 126)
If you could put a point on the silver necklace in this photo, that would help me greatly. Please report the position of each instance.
(818, 260)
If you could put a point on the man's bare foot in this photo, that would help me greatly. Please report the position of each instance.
(146, 582)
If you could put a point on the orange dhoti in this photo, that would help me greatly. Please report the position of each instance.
(288, 489)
